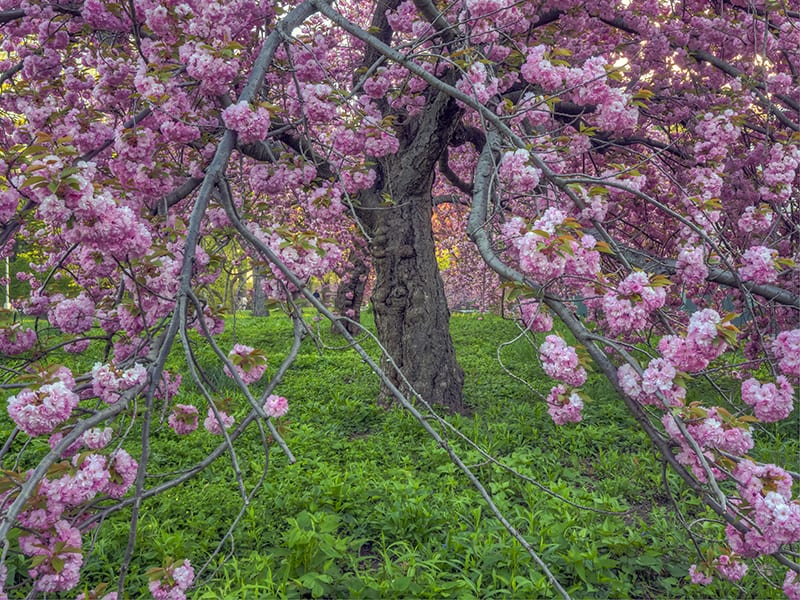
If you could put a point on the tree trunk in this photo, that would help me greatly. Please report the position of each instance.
(411, 314)
(259, 297)
(350, 293)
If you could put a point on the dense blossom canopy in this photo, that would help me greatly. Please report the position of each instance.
(636, 163)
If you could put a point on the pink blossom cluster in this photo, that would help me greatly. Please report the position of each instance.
(758, 265)
(780, 171)
(378, 84)
(183, 419)
(490, 18)
(251, 124)
(48, 513)
(402, 19)
(770, 401)
(589, 83)
(654, 386)
(378, 141)
(699, 576)
(538, 69)
(169, 385)
(791, 585)
(276, 406)
(172, 582)
(249, 363)
(756, 220)
(358, 178)
(659, 386)
(564, 406)
(97, 438)
(727, 565)
(717, 134)
(38, 412)
(538, 255)
(213, 73)
(702, 343)
(517, 174)
(109, 382)
(560, 361)
(711, 431)
(13, 340)
(767, 501)
(123, 468)
(9, 200)
(534, 316)
(74, 315)
(478, 83)
(690, 266)
(94, 439)
(786, 347)
(627, 308)
(317, 104)
(311, 258)
(60, 550)
(212, 425)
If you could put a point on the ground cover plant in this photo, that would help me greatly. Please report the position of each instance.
(374, 508)
(622, 177)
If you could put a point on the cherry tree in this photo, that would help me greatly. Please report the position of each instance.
(632, 162)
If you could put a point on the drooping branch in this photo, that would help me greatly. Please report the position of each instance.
(477, 230)
(641, 259)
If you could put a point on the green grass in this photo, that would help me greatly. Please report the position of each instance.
(373, 508)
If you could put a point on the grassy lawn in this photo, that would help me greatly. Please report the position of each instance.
(373, 508)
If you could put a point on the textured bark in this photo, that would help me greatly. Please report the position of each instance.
(411, 314)
(350, 294)
(259, 297)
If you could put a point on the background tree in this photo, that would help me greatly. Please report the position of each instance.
(641, 158)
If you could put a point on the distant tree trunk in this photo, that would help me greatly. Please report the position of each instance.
(350, 293)
(259, 297)
(411, 314)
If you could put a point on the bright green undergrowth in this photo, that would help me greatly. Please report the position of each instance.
(373, 508)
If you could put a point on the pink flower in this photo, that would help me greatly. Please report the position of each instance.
(212, 424)
(39, 412)
(13, 340)
(563, 407)
(517, 174)
(171, 582)
(534, 316)
(108, 381)
(756, 220)
(691, 268)
(698, 575)
(791, 585)
(770, 402)
(251, 124)
(248, 362)
(96, 439)
(276, 406)
(658, 378)
(758, 265)
(122, 468)
(560, 361)
(730, 568)
(629, 381)
(60, 548)
(787, 348)
(183, 419)
(627, 307)
(73, 316)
